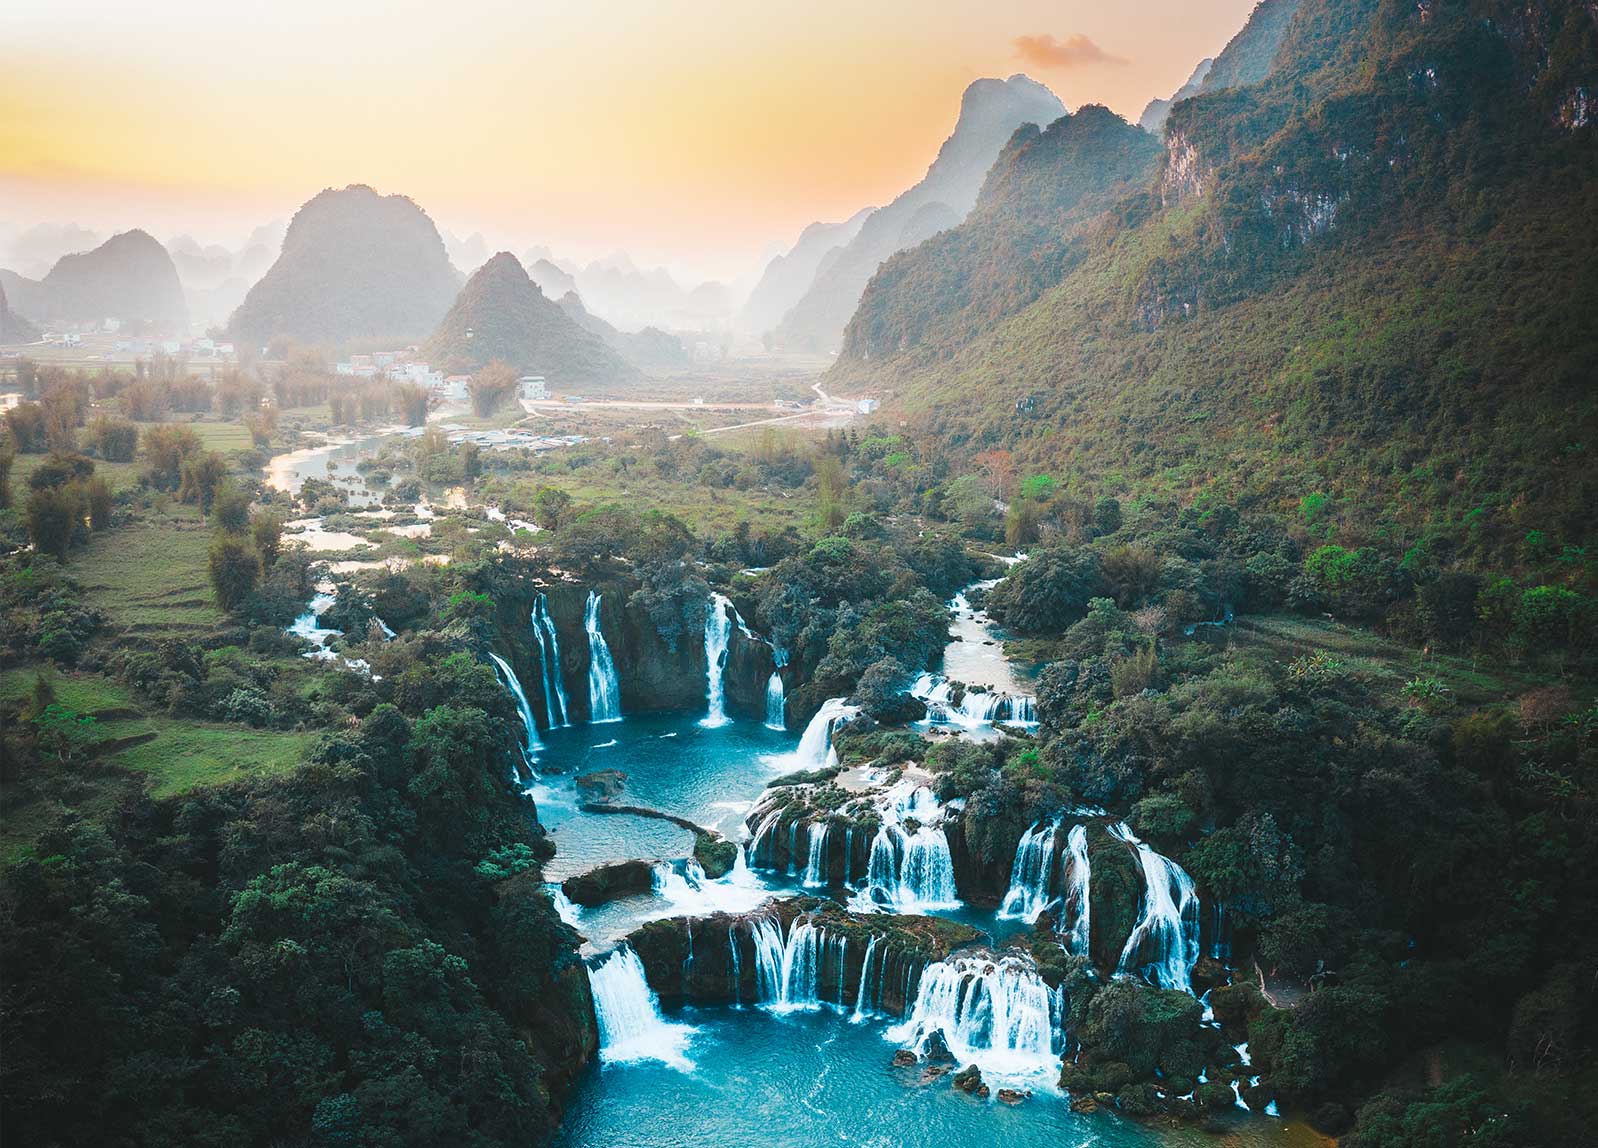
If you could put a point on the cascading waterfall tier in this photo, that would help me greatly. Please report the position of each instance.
(815, 875)
(994, 1012)
(1074, 919)
(910, 870)
(684, 890)
(549, 653)
(1032, 874)
(718, 633)
(604, 689)
(631, 1027)
(1164, 944)
(531, 746)
(976, 709)
(815, 744)
(776, 703)
(799, 972)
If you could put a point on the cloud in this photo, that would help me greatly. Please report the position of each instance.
(1072, 52)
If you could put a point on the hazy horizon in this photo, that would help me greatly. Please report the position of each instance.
(701, 139)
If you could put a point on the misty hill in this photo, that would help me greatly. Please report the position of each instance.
(1370, 277)
(355, 265)
(511, 320)
(990, 111)
(552, 280)
(1153, 117)
(649, 350)
(787, 277)
(128, 277)
(13, 327)
(1026, 230)
(34, 251)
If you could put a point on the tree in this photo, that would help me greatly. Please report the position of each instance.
(266, 529)
(491, 388)
(202, 476)
(165, 449)
(8, 456)
(231, 507)
(235, 570)
(115, 440)
(471, 461)
(55, 518)
(412, 402)
(1106, 515)
(550, 507)
(97, 493)
(832, 491)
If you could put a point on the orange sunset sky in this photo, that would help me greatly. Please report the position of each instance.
(697, 133)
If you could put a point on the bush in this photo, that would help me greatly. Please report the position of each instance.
(115, 440)
(235, 569)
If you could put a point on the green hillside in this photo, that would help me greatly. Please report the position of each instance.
(1370, 277)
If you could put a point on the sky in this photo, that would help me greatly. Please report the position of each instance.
(697, 134)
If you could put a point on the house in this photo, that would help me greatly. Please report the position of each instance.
(866, 406)
(532, 387)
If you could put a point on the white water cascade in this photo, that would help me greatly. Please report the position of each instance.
(1164, 945)
(549, 654)
(815, 876)
(994, 1011)
(976, 710)
(908, 871)
(569, 912)
(604, 690)
(685, 891)
(1078, 905)
(776, 703)
(815, 744)
(801, 972)
(718, 632)
(1031, 875)
(865, 1002)
(630, 1025)
(531, 746)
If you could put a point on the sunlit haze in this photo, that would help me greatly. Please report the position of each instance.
(698, 134)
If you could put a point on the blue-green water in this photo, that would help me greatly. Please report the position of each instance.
(817, 1079)
(758, 1079)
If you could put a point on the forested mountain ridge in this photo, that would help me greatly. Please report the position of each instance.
(990, 111)
(1369, 277)
(130, 277)
(1019, 240)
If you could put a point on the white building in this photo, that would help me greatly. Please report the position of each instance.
(866, 406)
(532, 387)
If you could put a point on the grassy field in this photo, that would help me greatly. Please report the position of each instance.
(128, 747)
(151, 577)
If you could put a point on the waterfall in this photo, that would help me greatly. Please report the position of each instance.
(563, 905)
(604, 691)
(1031, 874)
(864, 1001)
(1078, 873)
(687, 891)
(737, 966)
(909, 872)
(816, 857)
(776, 703)
(815, 744)
(995, 1012)
(549, 653)
(790, 974)
(531, 746)
(630, 1025)
(718, 632)
(1168, 926)
(976, 709)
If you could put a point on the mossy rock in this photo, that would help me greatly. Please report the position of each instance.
(1139, 1100)
(1115, 894)
(715, 854)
